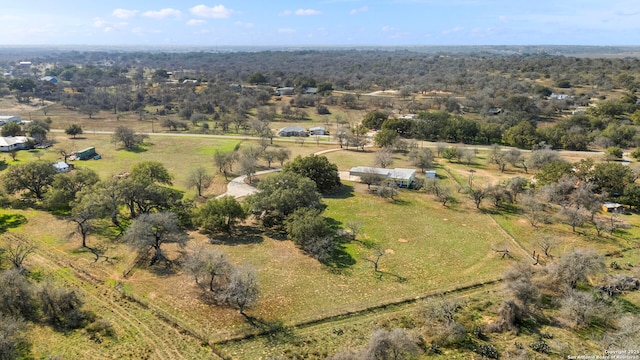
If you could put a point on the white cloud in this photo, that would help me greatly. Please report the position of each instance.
(454, 30)
(161, 14)
(286, 31)
(305, 12)
(244, 24)
(107, 26)
(285, 13)
(388, 29)
(359, 10)
(504, 19)
(216, 12)
(124, 13)
(194, 22)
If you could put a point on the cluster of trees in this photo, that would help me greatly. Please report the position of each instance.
(572, 290)
(291, 200)
(576, 286)
(472, 83)
(516, 128)
(25, 302)
(158, 215)
(220, 281)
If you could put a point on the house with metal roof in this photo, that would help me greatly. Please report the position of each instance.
(293, 131)
(402, 177)
(11, 143)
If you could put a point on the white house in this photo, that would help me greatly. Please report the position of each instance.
(402, 177)
(10, 119)
(10, 143)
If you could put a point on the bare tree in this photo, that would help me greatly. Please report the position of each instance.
(477, 195)
(242, 291)
(369, 177)
(354, 228)
(575, 265)
(199, 178)
(520, 283)
(152, 230)
(534, 209)
(17, 252)
(394, 344)
(546, 243)
(388, 189)
(378, 253)
(210, 268)
(384, 157)
(574, 216)
(248, 164)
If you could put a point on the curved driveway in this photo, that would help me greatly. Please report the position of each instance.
(238, 188)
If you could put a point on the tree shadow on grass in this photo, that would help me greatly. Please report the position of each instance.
(10, 221)
(506, 209)
(135, 150)
(3, 165)
(98, 252)
(274, 331)
(344, 192)
(243, 235)
(341, 259)
(398, 278)
(400, 202)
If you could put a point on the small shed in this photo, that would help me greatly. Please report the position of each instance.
(86, 154)
(611, 207)
(430, 174)
(61, 166)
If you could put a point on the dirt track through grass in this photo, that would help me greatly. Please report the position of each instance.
(151, 334)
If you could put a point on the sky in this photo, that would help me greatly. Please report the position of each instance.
(319, 23)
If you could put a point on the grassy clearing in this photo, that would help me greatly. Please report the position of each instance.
(429, 248)
(140, 333)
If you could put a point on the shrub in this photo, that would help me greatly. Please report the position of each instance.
(487, 351)
(541, 346)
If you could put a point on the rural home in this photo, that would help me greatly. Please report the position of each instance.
(293, 131)
(11, 143)
(402, 177)
(51, 79)
(10, 119)
(318, 130)
(310, 91)
(285, 91)
(430, 174)
(612, 207)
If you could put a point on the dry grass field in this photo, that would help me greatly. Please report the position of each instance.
(157, 311)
